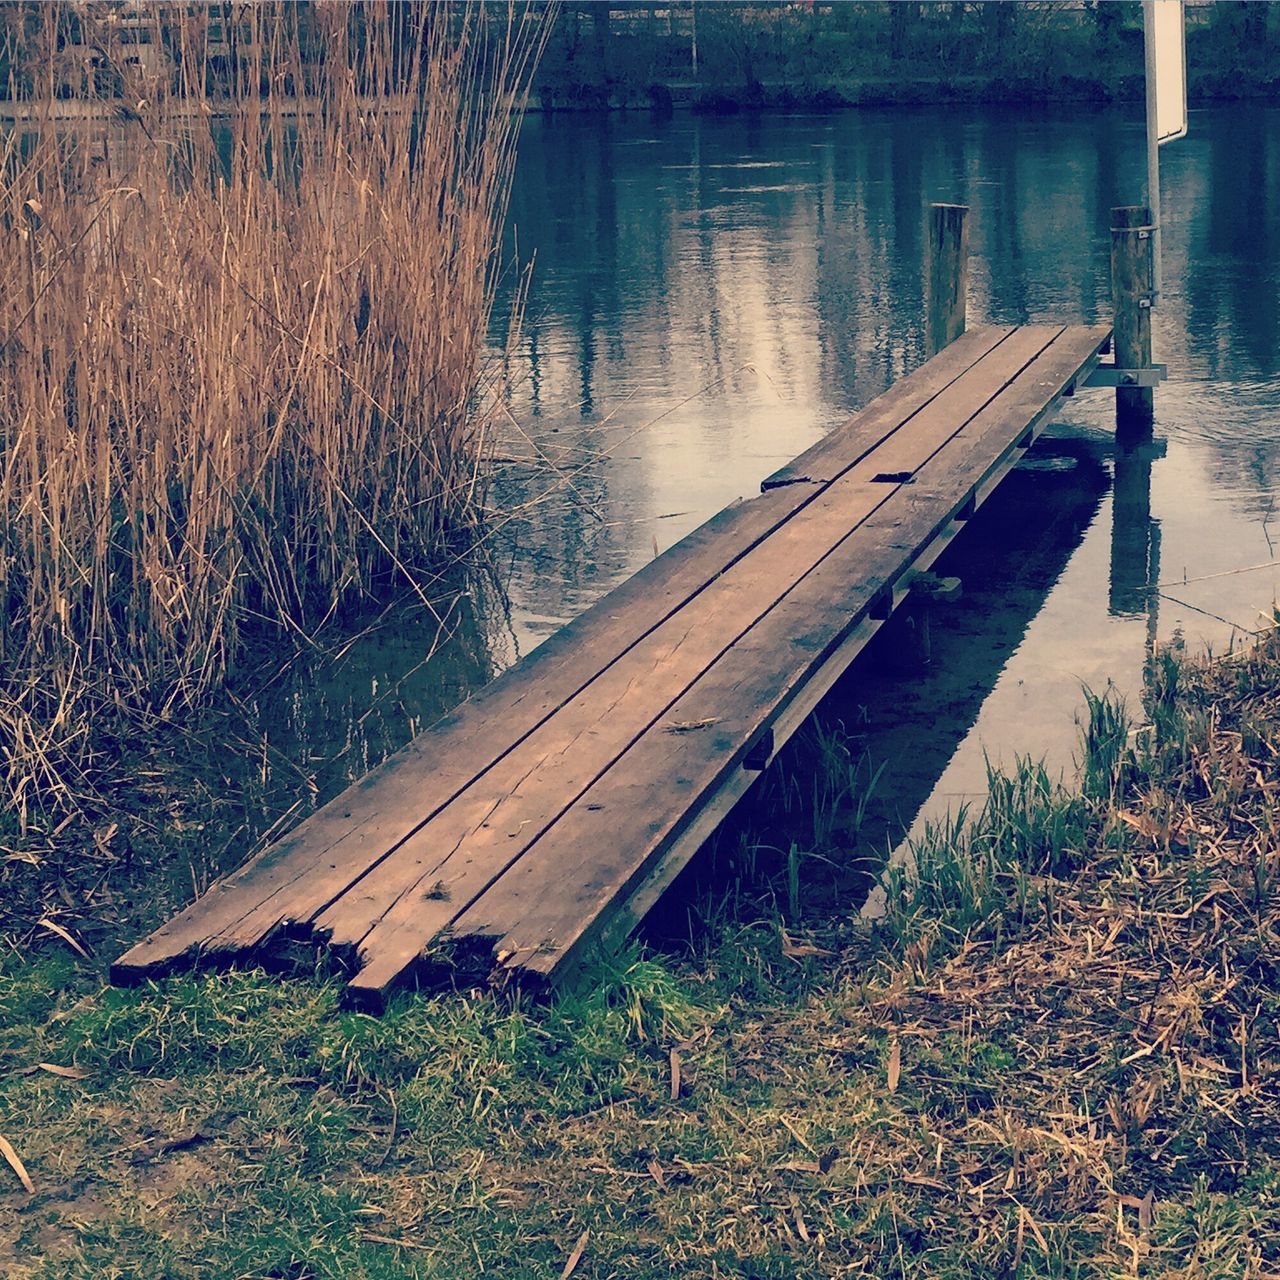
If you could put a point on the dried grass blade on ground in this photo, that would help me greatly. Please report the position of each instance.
(15, 1163)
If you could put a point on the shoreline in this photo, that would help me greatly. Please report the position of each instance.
(699, 99)
(879, 92)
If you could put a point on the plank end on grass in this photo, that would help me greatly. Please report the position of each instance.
(176, 945)
(140, 964)
(446, 963)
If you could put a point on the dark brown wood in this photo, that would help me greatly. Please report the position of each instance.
(604, 844)
(421, 895)
(347, 837)
(525, 817)
(420, 889)
(823, 461)
(946, 275)
(448, 859)
(1132, 264)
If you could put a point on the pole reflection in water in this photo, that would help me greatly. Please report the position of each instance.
(1135, 535)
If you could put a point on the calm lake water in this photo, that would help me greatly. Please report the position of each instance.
(708, 296)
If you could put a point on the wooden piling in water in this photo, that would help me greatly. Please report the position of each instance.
(946, 275)
(1132, 282)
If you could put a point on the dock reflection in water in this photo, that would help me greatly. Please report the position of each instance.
(696, 318)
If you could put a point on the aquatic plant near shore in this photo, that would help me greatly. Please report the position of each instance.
(241, 316)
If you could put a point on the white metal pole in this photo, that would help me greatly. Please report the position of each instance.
(1153, 142)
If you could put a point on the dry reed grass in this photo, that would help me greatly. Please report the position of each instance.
(240, 344)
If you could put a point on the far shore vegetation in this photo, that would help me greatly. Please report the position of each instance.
(728, 55)
(1054, 1054)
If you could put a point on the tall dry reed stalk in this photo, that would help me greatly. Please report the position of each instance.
(241, 320)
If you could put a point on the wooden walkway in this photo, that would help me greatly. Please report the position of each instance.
(550, 810)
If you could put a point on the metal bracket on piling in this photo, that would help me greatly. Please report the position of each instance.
(1110, 375)
(1133, 288)
(936, 590)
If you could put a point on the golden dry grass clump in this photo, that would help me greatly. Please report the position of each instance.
(242, 308)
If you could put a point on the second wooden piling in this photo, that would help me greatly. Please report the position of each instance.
(946, 275)
(1132, 282)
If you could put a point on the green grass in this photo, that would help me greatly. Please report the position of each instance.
(1054, 1056)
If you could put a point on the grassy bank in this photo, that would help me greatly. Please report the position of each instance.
(241, 352)
(1055, 1055)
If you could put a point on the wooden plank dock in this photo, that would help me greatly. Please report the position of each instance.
(550, 810)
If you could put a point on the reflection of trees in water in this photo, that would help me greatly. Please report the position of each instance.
(342, 713)
(1228, 318)
(1233, 280)
(1238, 424)
(557, 528)
(665, 266)
(552, 499)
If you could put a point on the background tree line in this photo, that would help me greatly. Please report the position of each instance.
(725, 54)
(728, 53)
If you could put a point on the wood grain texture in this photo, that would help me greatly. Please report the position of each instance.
(520, 821)
(402, 915)
(1132, 281)
(550, 902)
(946, 275)
(824, 460)
(346, 838)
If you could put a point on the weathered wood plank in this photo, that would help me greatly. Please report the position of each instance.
(484, 847)
(413, 895)
(662, 781)
(548, 902)
(565, 750)
(336, 844)
(946, 277)
(347, 837)
(827, 458)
